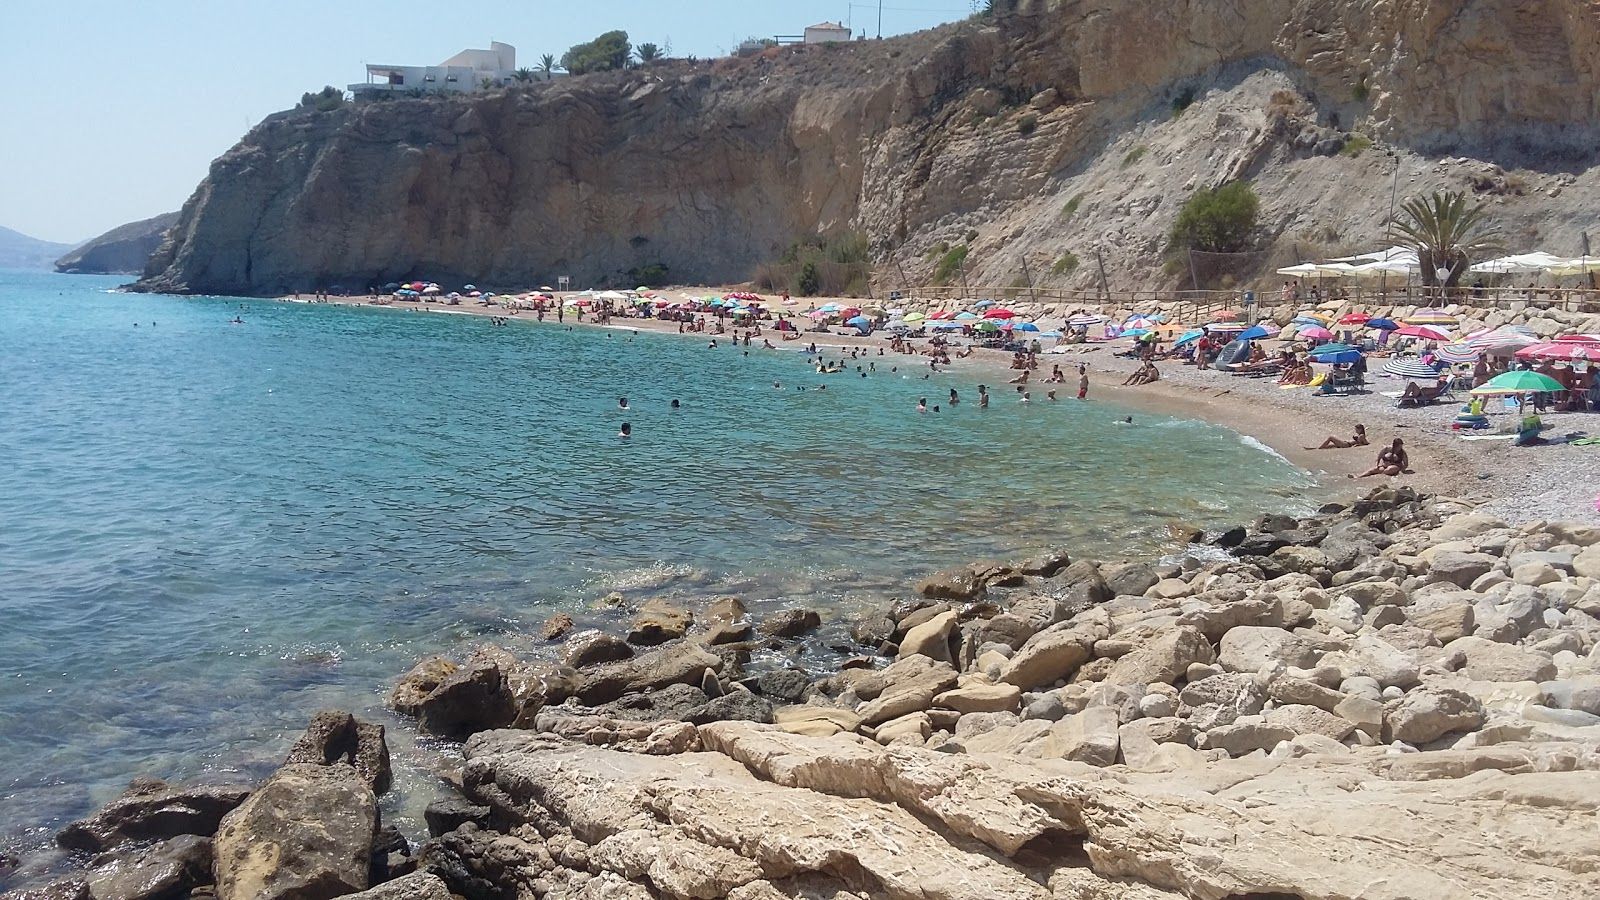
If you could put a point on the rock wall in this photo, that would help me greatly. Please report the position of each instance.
(981, 132)
(123, 250)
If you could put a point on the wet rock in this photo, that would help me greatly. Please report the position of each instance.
(681, 663)
(790, 623)
(1045, 565)
(930, 638)
(152, 810)
(1132, 579)
(449, 813)
(671, 702)
(167, 870)
(415, 686)
(306, 834)
(1231, 538)
(658, 622)
(736, 705)
(787, 685)
(75, 888)
(336, 736)
(593, 648)
(952, 584)
(473, 698)
(556, 627)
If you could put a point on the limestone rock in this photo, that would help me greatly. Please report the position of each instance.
(1427, 714)
(911, 685)
(337, 736)
(1164, 658)
(594, 647)
(1302, 719)
(788, 623)
(449, 813)
(305, 834)
(152, 810)
(417, 684)
(931, 638)
(1253, 648)
(163, 871)
(658, 621)
(681, 663)
(1491, 661)
(1245, 736)
(415, 886)
(475, 697)
(1130, 579)
(953, 584)
(1048, 657)
(981, 698)
(1459, 568)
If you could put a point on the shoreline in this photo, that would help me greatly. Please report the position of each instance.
(1441, 463)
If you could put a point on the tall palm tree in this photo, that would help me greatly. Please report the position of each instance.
(1448, 235)
(647, 53)
(547, 64)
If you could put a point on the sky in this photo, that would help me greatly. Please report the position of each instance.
(124, 105)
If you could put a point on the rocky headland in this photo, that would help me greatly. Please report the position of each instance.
(123, 250)
(1399, 698)
(1050, 133)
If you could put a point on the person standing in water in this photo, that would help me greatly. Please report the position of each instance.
(622, 403)
(954, 397)
(627, 430)
(983, 396)
(1083, 381)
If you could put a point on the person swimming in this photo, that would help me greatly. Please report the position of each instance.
(922, 405)
(627, 430)
(675, 403)
(622, 403)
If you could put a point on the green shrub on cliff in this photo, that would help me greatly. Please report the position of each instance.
(950, 263)
(652, 275)
(810, 280)
(603, 54)
(325, 100)
(1217, 221)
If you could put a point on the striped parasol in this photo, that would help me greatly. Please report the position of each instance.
(1500, 339)
(1426, 332)
(1458, 352)
(1085, 320)
(1567, 350)
(1140, 322)
(1411, 367)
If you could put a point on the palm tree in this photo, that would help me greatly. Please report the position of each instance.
(647, 53)
(523, 74)
(547, 64)
(1448, 235)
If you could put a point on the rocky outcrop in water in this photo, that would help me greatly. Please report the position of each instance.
(123, 250)
(1044, 136)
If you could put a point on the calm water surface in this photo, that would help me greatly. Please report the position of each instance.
(208, 531)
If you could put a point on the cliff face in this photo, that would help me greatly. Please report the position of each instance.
(123, 250)
(1047, 133)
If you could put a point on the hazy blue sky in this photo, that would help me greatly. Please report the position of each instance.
(117, 108)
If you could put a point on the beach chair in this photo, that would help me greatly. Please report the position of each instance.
(1425, 396)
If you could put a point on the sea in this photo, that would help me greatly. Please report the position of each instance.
(210, 529)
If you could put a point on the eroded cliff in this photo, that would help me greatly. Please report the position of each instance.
(1063, 128)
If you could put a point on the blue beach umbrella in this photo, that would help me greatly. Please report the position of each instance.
(1332, 348)
(1340, 357)
(1134, 333)
(966, 317)
(1026, 326)
(983, 304)
(1189, 337)
(859, 321)
(1254, 332)
(1383, 324)
(1050, 334)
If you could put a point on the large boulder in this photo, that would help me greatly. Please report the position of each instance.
(1486, 660)
(336, 736)
(1246, 736)
(658, 622)
(305, 834)
(1163, 658)
(1458, 567)
(1251, 648)
(476, 697)
(909, 686)
(415, 686)
(931, 638)
(415, 886)
(952, 584)
(1427, 714)
(152, 810)
(1089, 737)
(681, 663)
(1132, 579)
(791, 622)
(1047, 657)
(594, 647)
(1375, 658)
(1447, 617)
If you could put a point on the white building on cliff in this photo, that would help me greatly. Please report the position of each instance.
(827, 33)
(465, 72)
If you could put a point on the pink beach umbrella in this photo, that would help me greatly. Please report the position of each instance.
(1316, 333)
(1569, 350)
(1426, 332)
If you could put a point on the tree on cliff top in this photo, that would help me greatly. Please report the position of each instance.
(325, 100)
(648, 53)
(607, 52)
(1217, 221)
(1446, 233)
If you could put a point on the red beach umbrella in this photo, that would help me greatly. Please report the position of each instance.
(999, 312)
(1578, 339)
(1570, 350)
(1355, 318)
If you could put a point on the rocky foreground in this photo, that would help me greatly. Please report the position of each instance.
(1396, 700)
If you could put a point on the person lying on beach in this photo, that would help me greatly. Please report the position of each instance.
(1392, 460)
(1359, 439)
(1056, 375)
(1020, 379)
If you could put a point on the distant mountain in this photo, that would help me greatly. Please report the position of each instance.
(121, 251)
(18, 251)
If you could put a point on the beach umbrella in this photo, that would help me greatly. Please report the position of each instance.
(1027, 326)
(1341, 357)
(1134, 333)
(943, 315)
(1224, 327)
(1085, 320)
(1140, 322)
(1488, 340)
(1430, 317)
(999, 313)
(986, 326)
(1569, 350)
(1316, 333)
(1519, 382)
(1254, 332)
(1578, 339)
(966, 317)
(469, 287)
(1049, 334)
(983, 304)
(392, 286)
(1382, 324)
(1189, 337)
(1332, 348)
(1410, 367)
(859, 321)
(1426, 332)
(1226, 315)
(1458, 352)
(915, 317)
(1355, 318)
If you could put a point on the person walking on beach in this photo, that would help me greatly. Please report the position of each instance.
(1083, 381)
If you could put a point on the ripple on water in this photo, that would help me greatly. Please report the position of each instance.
(210, 531)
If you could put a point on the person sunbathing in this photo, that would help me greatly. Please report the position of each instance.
(1359, 439)
(1392, 460)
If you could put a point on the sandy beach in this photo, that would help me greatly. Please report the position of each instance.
(1520, 484)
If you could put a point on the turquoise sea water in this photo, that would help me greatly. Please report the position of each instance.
(208, 531)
